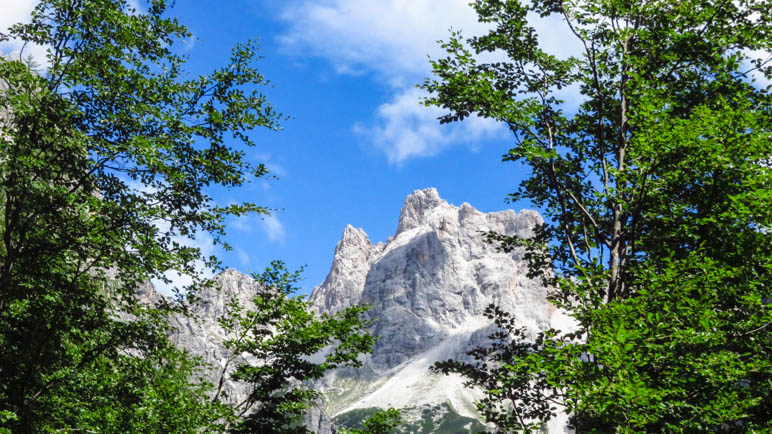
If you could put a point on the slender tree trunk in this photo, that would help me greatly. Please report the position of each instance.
(617, 243)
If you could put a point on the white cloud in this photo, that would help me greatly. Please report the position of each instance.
(273, 228)
(404, 129)
(392, 39)
(189, 43)
(13, 12)
(244, 257)
(389, 36)
(241, 223)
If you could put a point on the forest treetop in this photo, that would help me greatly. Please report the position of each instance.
(656, 192)
(107, 158)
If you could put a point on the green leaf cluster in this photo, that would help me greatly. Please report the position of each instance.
(381, 422)
(279, 346)
(656, 193)
(108, 155)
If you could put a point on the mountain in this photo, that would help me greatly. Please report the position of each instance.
(428, 287)
(201, 334)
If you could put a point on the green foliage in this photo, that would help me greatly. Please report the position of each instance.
(285, 346)
(354, 418)
(5, 418)
(106, 157)
(442, 419)
(120, 393)
(656, 190)
(381, 422)
(437, 419)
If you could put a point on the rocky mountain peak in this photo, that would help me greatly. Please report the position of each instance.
(353, 237)
(417, 207)
(343, 286)
(428, 287)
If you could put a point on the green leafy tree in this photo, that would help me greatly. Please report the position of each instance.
(106, 158)
(382, 422)
(163, 391)
(282, 346)
(656, 192)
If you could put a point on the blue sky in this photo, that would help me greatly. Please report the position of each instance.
(358, 141)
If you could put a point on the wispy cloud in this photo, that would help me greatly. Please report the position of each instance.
(273, 228)
(243, 223)
(270, 225)
(243, 256)
(13, 12)
(392, 39)
(403, 129)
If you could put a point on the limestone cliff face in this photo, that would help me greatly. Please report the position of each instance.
(201, 335)
(353, 258)
(428, 286)
(435, 276)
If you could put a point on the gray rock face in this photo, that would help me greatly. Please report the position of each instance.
(434, 276)
(316, 420)
(202, 335)
(428, 286)
(343, 286)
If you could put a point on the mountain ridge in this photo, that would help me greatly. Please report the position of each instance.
(428, 286)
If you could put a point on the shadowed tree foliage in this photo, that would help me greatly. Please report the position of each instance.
(107, 155)
(655, 186)
(382, 422)
(292, 346)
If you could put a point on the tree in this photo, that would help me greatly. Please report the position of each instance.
(656, 189)
(106, 160)
(292, 346)
(163, 391)
(381, 422)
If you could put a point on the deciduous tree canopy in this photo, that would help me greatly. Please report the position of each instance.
(106, 157)
(656, 190)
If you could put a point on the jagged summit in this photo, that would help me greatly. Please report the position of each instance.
(424, 212)
(426, 221)
(428, 286)
(417, 205)
(343, 286)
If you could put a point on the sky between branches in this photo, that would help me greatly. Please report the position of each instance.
(358, 141)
